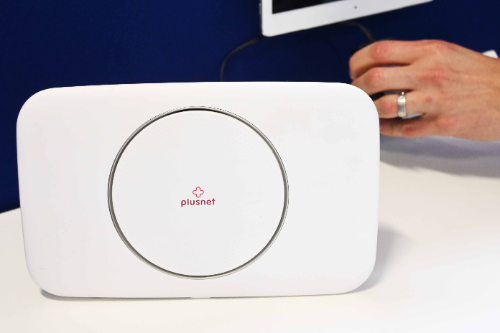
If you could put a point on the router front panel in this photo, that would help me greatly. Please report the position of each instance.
(199, 189)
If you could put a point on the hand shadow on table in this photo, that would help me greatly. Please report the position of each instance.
(386, 240)
(445, 154)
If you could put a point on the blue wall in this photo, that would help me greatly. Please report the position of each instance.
(70, 43)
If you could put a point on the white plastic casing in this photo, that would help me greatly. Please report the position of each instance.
(199, 189)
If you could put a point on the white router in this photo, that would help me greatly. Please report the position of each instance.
(199, 189)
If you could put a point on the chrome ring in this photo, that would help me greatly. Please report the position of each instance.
(177, 274)
(402, 105)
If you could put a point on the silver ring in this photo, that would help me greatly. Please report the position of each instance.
(402, 105)
(180, 275)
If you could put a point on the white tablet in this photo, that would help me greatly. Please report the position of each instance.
(282, 16)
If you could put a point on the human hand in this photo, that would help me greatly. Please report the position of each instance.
(456, 89)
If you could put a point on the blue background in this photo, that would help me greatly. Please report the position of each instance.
(70, 43)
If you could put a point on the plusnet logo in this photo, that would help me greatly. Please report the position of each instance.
(198, 192)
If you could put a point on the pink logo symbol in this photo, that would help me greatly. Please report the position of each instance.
(198, 192)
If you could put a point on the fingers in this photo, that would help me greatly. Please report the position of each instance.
(381, 79)
(416, 103)
(410, 128)
(384, 53)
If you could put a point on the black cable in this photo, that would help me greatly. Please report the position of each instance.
(239, 48)
(365, 30)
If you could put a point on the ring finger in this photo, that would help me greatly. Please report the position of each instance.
(387, 106)
(380, 79)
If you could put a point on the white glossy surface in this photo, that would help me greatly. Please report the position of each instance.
(437, 270)
(238, 211)
(326, 135)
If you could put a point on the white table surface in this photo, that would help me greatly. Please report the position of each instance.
(437, 270)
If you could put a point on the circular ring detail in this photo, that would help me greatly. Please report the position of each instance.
(197, 277)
